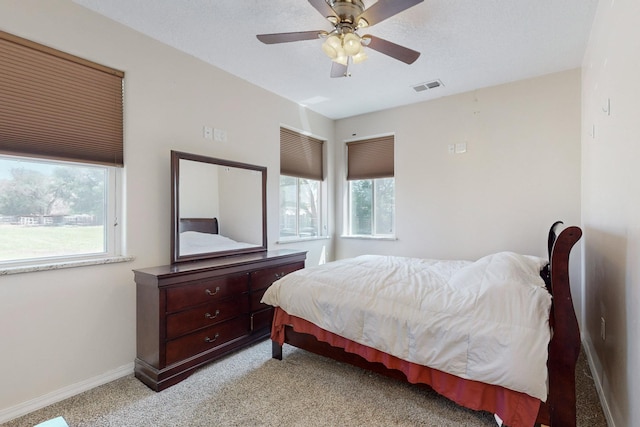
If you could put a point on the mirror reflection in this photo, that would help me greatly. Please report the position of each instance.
(219, 207)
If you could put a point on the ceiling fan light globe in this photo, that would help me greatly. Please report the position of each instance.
(360, 57)
(351, 44)
(329, 50)
(334, 41)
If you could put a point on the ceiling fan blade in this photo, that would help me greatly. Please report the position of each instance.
(339, 70)
(289, 37)
(384, 9)
(401, 53)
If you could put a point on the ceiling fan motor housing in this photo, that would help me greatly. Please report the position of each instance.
(347, 10)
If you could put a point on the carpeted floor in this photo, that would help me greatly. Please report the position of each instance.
(249, 388)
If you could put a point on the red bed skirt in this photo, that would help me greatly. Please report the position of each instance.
(514, 408)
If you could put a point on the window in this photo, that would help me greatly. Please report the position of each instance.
(371, 187)
(61, 150)
(52, 209)
(301, 175)
(371, 207)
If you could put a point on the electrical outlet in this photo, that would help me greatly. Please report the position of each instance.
(603, 330)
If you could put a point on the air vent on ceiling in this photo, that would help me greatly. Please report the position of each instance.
(428, 85)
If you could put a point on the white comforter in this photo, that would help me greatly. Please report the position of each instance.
(485, 320)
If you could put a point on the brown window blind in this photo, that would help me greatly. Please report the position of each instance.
(300, 155)
(370, 158)
(58, 106)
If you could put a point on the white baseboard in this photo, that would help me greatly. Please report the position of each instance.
(64, 393)
(598, 382)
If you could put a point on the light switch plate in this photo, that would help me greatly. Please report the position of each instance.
(207, 132)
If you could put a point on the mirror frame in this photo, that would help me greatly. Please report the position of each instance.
(176, 156)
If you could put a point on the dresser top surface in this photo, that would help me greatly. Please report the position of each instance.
(223, 262)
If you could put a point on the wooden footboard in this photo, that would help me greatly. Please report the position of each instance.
(564, 347)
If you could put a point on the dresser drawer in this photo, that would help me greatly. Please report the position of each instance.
(256, 296)
(196, 293)
(205, 315)
(262, 320)
(207, 339)
(264, 278)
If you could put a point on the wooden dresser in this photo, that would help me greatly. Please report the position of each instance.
(189, 314)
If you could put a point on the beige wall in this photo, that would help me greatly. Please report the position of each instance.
(63, 330)
(521, 171)
(611, 206)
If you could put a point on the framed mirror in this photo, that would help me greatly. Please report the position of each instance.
(218, 207)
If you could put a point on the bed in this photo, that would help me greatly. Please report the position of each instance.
(451, 330)
(201, 235)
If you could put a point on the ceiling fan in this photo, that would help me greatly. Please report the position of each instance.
(343, 44)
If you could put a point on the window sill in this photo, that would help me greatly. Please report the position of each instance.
(301, 239)
(389, 238)
(65, 264)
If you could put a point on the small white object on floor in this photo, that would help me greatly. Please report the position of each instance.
(498, 419)
(54, 422)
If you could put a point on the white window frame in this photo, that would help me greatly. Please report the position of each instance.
(373, 235)
(113, 228)
(322, 228)
(323, 207)
(346, 214)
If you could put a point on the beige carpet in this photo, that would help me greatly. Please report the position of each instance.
(249, 388)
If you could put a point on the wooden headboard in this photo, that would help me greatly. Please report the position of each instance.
(202, 225)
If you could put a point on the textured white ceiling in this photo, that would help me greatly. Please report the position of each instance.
(467, 44)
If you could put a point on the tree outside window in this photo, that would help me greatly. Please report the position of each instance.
(51, 209)
(299, 207)
(372, 207)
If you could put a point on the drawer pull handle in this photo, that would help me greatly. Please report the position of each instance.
(215, 337)
(214, 292)
(212, 316)
(279, 275)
